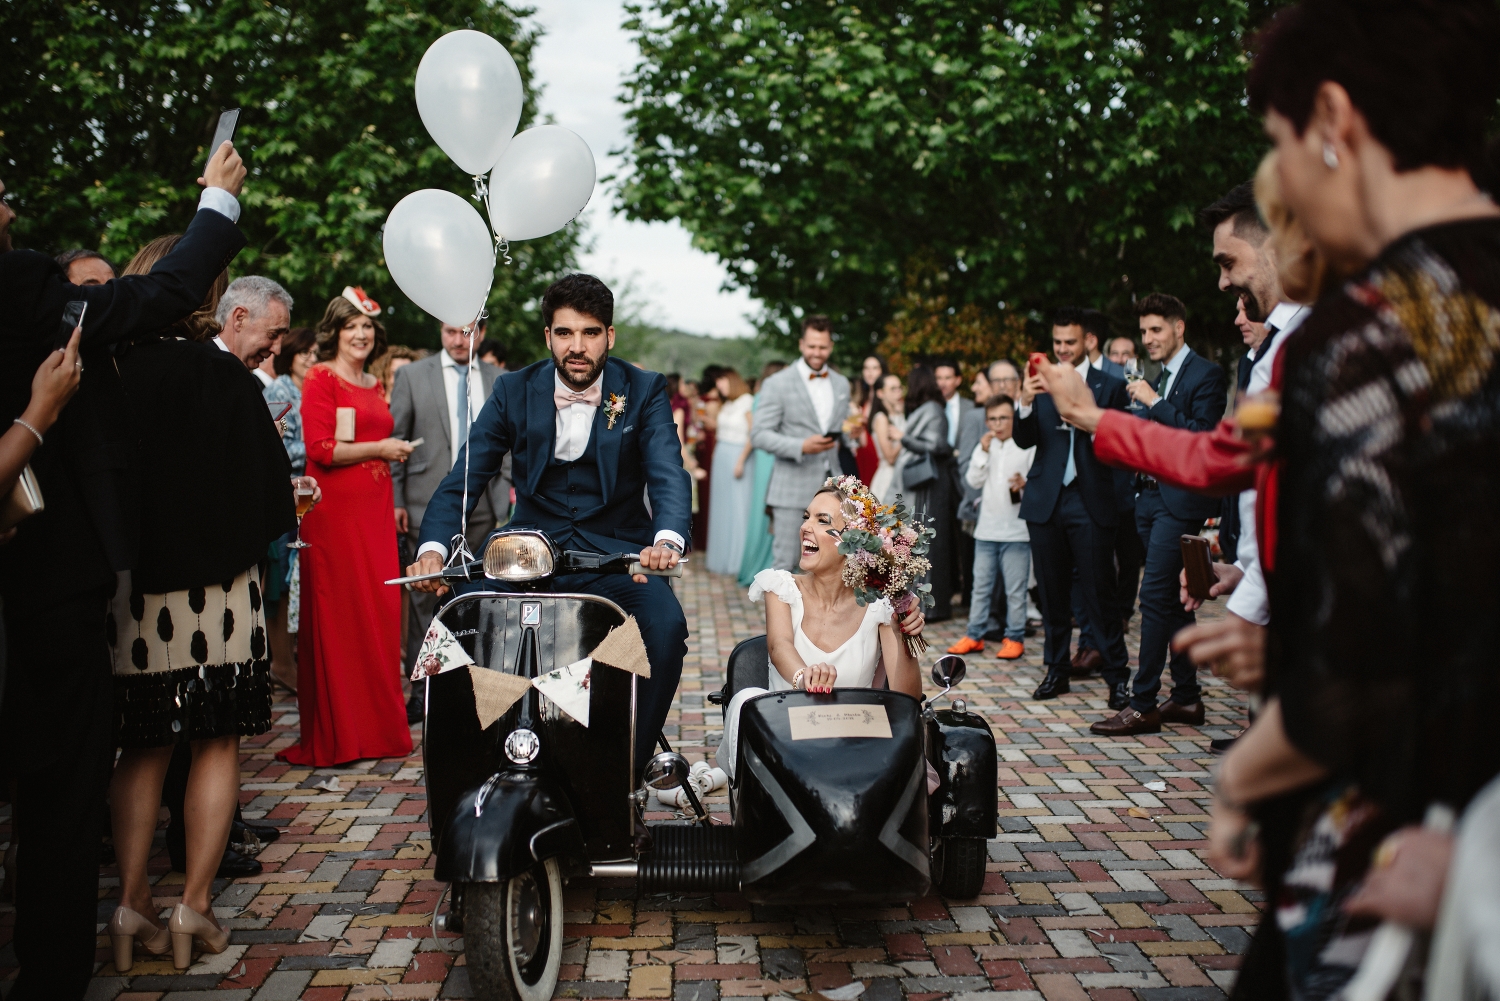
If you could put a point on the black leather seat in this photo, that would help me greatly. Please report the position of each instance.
(748, 667)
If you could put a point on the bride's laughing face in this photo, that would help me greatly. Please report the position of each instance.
(820, 551)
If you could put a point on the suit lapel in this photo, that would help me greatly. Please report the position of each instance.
(1182, 371)
(609, 440)
(541, 425)
(439, 388)
(1095, 379)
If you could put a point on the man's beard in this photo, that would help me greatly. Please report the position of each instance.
(1254, 311)
(593, 373)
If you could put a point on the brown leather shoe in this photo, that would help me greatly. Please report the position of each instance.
(1191, 715)
(1086, 662)
(1128, 722)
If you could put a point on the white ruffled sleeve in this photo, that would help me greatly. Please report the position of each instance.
(777, 582)
(881, 611)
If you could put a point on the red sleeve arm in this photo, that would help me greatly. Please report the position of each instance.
(1205, 462)
(318, 417)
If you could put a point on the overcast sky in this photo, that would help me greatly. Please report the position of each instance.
(582, 58)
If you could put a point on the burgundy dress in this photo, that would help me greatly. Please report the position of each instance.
(349, 650)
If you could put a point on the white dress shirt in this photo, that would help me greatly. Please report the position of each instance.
(220, 201)
(220, 342)
(1173, 366)
(821, 391)
(265, 380)
(999, 519)
(1249, 600)
(451, 373)
(575, 423)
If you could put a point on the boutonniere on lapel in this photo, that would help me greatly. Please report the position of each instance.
(614, 410)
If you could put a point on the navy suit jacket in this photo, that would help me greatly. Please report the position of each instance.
(1040, 429)
(640, 452)
(1195, 401)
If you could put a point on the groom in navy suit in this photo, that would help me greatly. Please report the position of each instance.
(589, 435)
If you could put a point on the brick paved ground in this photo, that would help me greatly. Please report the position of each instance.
(1097, 888)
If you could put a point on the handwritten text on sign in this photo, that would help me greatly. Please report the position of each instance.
(813, 722)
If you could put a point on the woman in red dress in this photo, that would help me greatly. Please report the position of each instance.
(349, 683)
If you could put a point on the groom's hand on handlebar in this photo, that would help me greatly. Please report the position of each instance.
(428, 562)
(656, 558)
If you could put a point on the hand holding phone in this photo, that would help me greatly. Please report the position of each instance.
(223, 133)
(225, 168)
(72, 318)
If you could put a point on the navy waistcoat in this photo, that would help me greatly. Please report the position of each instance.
(573, 491)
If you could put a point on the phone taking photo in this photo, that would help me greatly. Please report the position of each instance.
(72, 316)
(223, 132)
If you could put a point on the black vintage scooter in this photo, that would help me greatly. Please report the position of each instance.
(537, 796)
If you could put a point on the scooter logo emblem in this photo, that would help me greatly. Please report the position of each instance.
(531, 613)
(522, 746)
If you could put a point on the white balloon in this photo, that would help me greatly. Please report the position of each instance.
(441, 254)
(543, 181)
(469, 97)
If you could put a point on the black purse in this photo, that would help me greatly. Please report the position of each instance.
(918, 473)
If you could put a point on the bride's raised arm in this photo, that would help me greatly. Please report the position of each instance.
(901, 668)
(783, 651)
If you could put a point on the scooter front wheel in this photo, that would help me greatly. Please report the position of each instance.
(513, 935)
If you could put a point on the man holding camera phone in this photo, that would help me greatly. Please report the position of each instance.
(57, 720)
(801, 410)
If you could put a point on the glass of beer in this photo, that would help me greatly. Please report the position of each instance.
(304, 493)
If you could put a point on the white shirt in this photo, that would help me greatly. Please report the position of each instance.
(575, 423)
(951, 409)
(999, 519)
(1173, 366)
(734, 428)
(220, 201)
(821, 391)
(1249, 600)
(265, 380)
(451, 372)
(220, 342)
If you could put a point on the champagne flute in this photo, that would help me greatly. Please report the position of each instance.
(304, 494)
(1134, 373)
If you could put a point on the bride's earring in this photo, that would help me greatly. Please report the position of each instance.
(1330, 156)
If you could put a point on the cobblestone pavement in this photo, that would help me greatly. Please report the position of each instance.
(1097, 888)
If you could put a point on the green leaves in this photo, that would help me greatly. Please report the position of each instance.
(106, 119)
(1040, 151)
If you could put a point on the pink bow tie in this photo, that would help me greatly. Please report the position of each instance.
(565, 398)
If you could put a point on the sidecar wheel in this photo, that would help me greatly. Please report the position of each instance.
(963, 868)
(513, 935)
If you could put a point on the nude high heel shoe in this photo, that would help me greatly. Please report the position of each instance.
(126, 928)
(188, 925)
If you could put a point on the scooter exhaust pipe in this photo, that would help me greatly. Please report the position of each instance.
(614, 870)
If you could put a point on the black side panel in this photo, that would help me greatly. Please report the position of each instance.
(489, 836)
(840, 818)
(963, 747)
(589, 766)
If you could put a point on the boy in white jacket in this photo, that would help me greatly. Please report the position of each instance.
(1001, 541)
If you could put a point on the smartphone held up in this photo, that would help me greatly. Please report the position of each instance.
(223, 132)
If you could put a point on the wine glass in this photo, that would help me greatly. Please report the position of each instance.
(1134, 373)
(304, 494)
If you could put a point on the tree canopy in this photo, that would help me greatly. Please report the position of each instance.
(1020, 155)
(107, 109)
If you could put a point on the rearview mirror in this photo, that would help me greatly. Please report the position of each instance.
(667, 770)
(949, 671)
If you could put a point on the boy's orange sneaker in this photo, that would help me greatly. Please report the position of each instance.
(966, 645)
(1010, 649)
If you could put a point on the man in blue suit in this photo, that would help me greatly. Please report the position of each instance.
(1071, 514)
(1191, 393)
(589, 435)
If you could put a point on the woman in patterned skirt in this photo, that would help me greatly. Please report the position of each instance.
(187, 626)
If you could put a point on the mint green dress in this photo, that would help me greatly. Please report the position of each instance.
(757, 535)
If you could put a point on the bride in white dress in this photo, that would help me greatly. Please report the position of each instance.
(887, 423)
(817, 635)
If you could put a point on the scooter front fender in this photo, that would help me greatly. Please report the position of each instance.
(503, 827)
(965, 803)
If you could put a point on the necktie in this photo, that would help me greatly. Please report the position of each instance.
(1162, 380)
(1070, 472)
(463, 405)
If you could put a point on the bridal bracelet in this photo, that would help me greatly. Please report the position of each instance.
(797, 680)
(29, 428)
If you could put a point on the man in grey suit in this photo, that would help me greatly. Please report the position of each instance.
(428, 401)
(799, 420)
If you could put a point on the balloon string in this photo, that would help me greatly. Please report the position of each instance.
(460, 542)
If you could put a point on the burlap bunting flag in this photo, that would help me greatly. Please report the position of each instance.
(494, 693)
(623, 648)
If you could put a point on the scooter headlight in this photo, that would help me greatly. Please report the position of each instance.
(518, 556)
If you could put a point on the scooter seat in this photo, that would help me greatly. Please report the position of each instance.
(830, 801)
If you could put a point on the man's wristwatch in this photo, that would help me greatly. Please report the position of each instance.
(669, 544)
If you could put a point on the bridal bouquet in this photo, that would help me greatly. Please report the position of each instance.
(885, 552)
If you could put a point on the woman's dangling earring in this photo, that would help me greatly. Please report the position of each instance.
(1330, 157)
